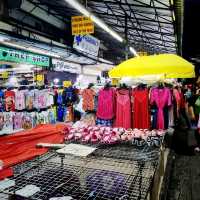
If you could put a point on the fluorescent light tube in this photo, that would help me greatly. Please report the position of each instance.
(132, 50)
(76, 5)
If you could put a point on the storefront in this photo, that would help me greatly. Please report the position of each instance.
(20, 64)
(21, 74)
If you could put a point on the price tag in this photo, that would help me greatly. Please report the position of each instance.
(67, 83)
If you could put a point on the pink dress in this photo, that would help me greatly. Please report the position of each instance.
(106, 104)
(123, 109)
(162, 98)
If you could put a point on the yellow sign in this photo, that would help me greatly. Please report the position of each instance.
(39, 78)
(142, 53)
(115, 81)
(67, 83)
(82, 25)
(4, 75)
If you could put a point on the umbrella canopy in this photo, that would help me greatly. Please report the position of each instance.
(163, 65)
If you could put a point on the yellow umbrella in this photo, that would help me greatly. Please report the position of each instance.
(164, 65)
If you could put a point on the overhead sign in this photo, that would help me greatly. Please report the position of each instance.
(60, 65)
(82, 25)
(19, 56)
(87, 44)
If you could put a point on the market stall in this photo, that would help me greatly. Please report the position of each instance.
(126, 158)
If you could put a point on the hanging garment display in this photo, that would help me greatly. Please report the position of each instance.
(106, 104)
(123, 109)
(69, 95)
(88, 99)
(27, 121)
(9, 100)
(20, 100)
(17, 120)
(1, 101)
(8, 121)
(141, 117)
(161, 97)
(30, 99)
(1, 121)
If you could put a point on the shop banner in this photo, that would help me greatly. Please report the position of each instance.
(87, 44)
(19, 56)
(60, 65)
(82, 25)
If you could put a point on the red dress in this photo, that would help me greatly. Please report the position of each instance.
(141, 117)
(123, 109)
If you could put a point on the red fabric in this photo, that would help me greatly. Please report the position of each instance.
(123, 109)
(141, 118)
(6, 173)
(10, 100)
(22, 145)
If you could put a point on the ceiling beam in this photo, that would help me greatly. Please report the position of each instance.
(142, 4)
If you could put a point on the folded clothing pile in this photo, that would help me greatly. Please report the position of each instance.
(94, 134)
(108, 135)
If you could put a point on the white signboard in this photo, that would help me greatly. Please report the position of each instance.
(60, 65)
(87, 44)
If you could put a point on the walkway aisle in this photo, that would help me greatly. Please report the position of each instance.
(185, 178)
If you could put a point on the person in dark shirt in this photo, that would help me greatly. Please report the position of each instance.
(24, 81)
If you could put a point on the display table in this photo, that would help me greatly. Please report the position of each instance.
(159, 174)
(111, 172)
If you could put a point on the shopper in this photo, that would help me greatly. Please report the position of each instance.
(24, 81)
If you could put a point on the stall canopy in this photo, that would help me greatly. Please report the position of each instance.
(163, 65)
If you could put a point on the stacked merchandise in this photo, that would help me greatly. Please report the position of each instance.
(142, 108)
(108, 135)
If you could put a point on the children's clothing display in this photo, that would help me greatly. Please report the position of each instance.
(20, 100)
(2, 108)
(9, 100)
(10, 121)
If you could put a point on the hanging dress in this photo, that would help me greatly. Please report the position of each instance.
(88, 99)
(161, 98)
(123, 109)
(106, 104)
(141, 115)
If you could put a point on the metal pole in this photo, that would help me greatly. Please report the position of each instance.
(126, 36)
